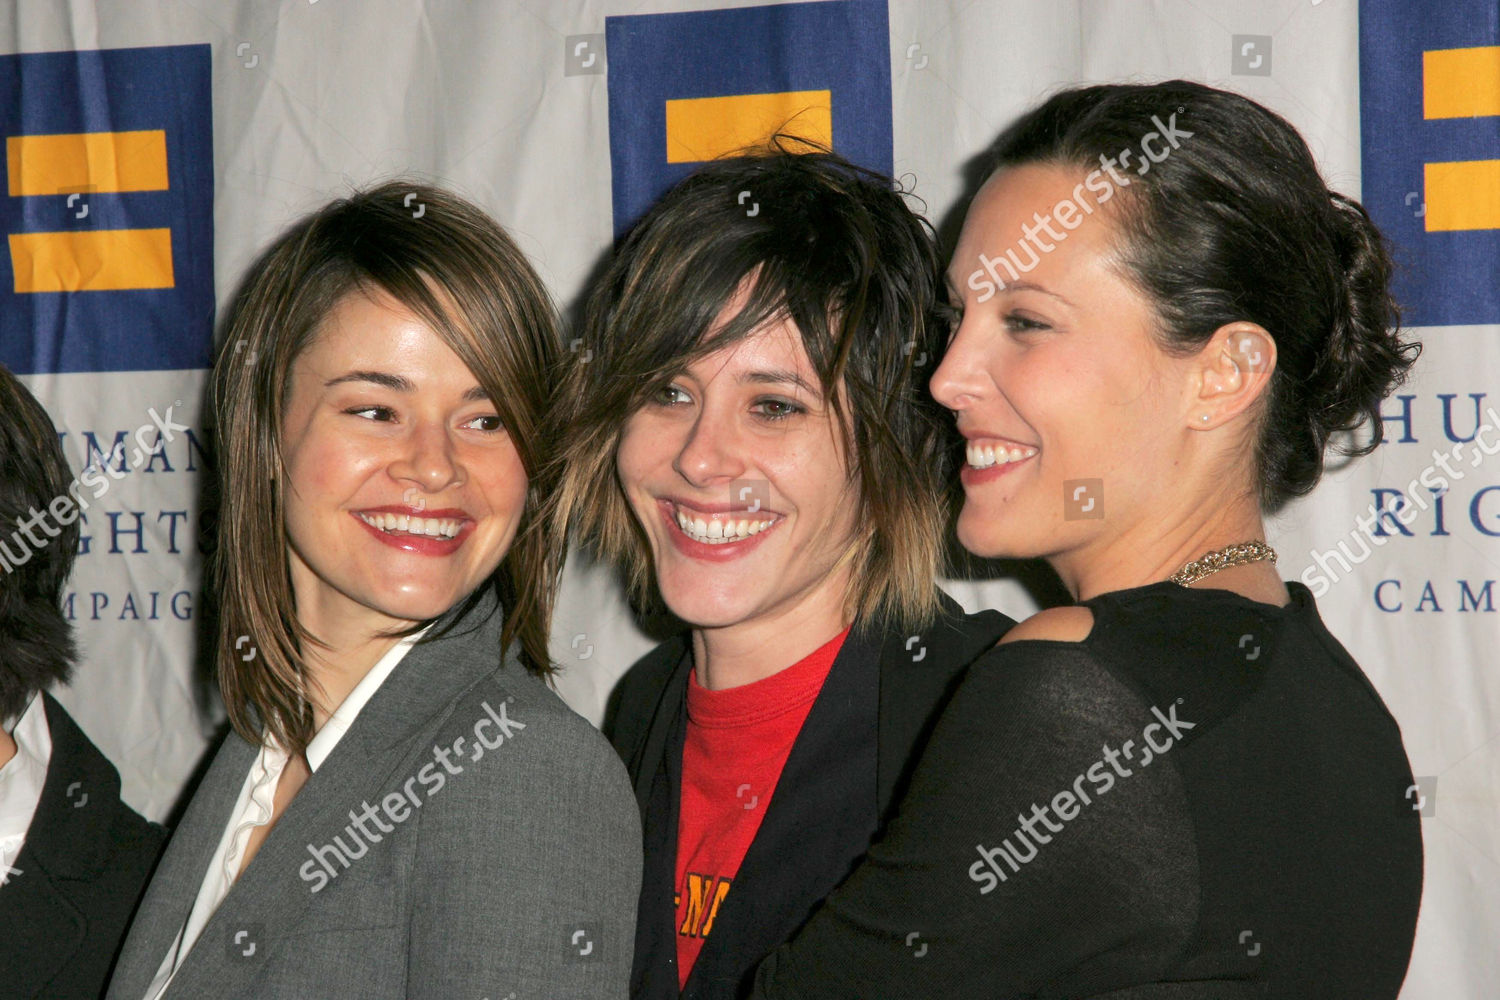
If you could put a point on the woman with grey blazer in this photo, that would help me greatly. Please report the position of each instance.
(404, 808)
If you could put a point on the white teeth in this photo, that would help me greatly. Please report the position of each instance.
(717, 532)
(983, 456)
(434, 527)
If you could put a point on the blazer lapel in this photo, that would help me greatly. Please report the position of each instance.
(668, 714)
(819, 819)
(67, 842)
(657, 773)
(917, 675)
(270, 897)
(43, 929)
(168, 900)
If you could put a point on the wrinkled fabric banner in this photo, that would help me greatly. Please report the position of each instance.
(153, 150)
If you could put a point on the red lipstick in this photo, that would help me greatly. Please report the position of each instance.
(422, 545)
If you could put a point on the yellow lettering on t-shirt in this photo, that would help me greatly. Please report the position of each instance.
(720, 891)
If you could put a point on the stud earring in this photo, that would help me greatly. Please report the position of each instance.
(1203, 417)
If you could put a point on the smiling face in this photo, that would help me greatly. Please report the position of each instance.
(403, 490)
(1056, 378)
(737, 474)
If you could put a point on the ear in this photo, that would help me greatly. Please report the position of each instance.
(1231, 372)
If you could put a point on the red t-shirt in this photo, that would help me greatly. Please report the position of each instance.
(737, 742)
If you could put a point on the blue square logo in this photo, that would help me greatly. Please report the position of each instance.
(678, 82)
(107, 210)
(1430, 145)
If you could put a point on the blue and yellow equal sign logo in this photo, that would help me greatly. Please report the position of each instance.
(96, 260)
(687, 88)
(108, 210)
(1430, 137)
(1456, 84)
(704, 128)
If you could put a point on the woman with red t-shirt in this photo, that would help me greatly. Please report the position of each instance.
(750, 439)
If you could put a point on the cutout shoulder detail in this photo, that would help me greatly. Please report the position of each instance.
(1062, 624)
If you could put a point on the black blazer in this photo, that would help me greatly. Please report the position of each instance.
(84, 866)
(848, 766)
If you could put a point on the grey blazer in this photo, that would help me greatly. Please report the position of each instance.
(470, 836)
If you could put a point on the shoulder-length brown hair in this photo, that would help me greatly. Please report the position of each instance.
(452, 265)
(836, 249)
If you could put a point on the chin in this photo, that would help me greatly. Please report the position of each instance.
(702, 608)
(417, 606)
(978, 537)
(984, 538)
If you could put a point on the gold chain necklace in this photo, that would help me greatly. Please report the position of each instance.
(1238, 554)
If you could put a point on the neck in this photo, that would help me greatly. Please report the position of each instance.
(7, 747)
(1156, 546)
(346, 650)
(733, 655)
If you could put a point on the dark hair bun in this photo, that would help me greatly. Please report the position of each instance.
(1363, 359)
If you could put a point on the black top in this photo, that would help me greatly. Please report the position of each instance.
(84, 866)
(1203, 798)
(848, 767)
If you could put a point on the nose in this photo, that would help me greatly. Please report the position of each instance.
(710, 453)
(962, 377)
(428, 460)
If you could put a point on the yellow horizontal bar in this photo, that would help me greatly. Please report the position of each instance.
(87, 161)
(99, 260)
(703, 128)
(1461, 83)
(1463, 195)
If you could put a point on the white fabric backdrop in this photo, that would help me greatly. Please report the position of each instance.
(311, 97)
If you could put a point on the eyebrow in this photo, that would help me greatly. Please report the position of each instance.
(780, 376)
(1009, 286)
(395, 382)
(398, 383)
(1027, 286)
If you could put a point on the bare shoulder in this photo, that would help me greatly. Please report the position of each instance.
(1063, 624)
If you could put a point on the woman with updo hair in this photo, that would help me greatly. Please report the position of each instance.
(1181, 786)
